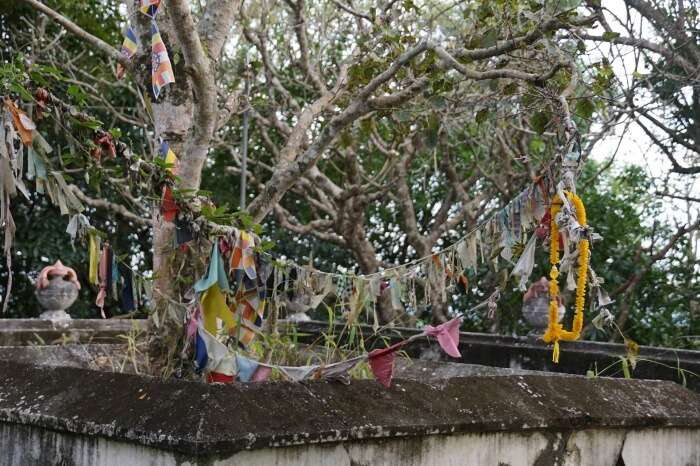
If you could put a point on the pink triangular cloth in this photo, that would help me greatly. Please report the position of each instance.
(261, 374)
(447, 335)
(193, 323)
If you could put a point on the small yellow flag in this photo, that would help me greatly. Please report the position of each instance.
(94, 249)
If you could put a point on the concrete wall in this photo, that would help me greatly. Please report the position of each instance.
(28, 446)
(53, 415)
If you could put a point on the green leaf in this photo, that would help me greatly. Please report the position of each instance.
(609, 35)
(19, 89)
(92, 124)
(481, 115)
(625, 368)
(345, 139)
(585, 108)
(537, 145)
(539, 121)
(510, 89)
(490, 38)
(402, 115)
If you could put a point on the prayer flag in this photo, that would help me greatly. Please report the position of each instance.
(246, 368)
(168, 206)
(213, 307)
(105, 275)
(93, 249)
(261, 374)
(149, 7)
(129, 48)
(127, 303)
(183, 231)
(161, 69)
(170, 158)
(215, 272)
(447, 335)
(212, 356)
(381, 361)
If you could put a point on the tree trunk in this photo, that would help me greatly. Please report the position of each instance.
(172, 120)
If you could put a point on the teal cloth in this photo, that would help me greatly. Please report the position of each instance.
(215, 274)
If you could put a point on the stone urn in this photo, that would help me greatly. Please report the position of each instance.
(56, 290)
(536, 307)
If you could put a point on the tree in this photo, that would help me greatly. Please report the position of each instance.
(656, 43)
(326, 74)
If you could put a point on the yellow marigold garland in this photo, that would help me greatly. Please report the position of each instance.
(555, 330)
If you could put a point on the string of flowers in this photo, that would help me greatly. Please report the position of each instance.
(555, 331)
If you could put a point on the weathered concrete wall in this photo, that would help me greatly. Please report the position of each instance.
(30, 446)
(66, 416)
(18, 332)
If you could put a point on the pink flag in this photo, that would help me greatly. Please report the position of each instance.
(382, 363)
(447, 335)
(261, 374)
(192, 324)
(103, 272)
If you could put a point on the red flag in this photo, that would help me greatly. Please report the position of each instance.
(218, 377)
(168, 207)
(382, 363)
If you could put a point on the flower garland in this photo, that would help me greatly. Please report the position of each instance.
(555, 330)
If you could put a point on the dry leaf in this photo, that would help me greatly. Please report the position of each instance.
(23, 124)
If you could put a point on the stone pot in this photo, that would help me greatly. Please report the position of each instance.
(536, 313)
(57, 289)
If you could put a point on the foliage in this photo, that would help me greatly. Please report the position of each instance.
(391, 185)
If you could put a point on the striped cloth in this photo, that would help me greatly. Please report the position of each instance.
(129, 48)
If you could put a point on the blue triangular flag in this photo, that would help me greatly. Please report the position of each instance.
(246, 368)
(201, 357)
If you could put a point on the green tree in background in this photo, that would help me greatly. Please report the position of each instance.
(365, 181)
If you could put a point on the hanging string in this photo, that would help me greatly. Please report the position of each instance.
(546, 178)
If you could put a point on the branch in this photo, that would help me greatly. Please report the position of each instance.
(204, 114)
(662, 22)
(216, 23)
(510, 45)
(660, 254)
(289, 222)
(80, 33)
(667, 53)
(408, 213)
(675, 196)
(494, 74)
(104, 204)
(300, 30)
(351, 11)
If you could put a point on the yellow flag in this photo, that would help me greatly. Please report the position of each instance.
(94, 250)
(213, 306)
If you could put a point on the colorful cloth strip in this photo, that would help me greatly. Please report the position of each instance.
(216, 274)
(149, 7)
(129, 48)
(161, 69)
(211, 355)
(169, 156)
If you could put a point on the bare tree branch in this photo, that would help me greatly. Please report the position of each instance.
(79, 32)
